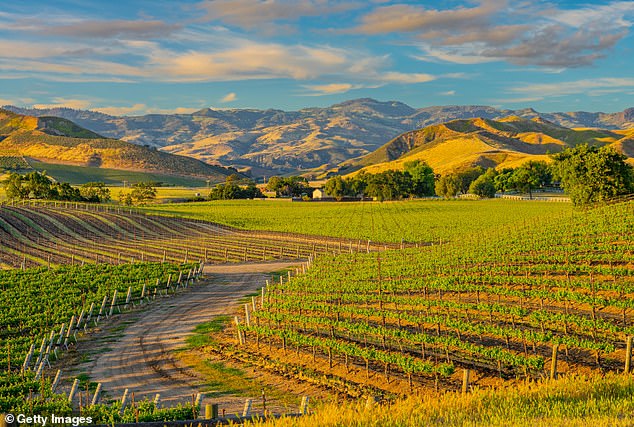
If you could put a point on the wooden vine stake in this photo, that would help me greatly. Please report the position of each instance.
(628, 355)
(73, 390)
(114, 301)
(240, 338)
(553, 364)
(56, 380)
(466, 377)
(247, 408)
(303, 409)
(95, 398)
(124, 401)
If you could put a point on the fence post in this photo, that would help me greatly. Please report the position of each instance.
(124, 401)
(247, 408)
(95, 398)
(466, 376)
(73, 390)
(303, 409)
(240, 337)
(553, 365)
(114, 301)
(628, 355)
(56, 380)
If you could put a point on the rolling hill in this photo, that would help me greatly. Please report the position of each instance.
(56, 140)
(506, 142)
(311, 139)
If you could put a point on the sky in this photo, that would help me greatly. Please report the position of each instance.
(136, 57)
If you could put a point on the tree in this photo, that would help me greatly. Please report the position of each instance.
(484, 185)
(143, 192)
(33, 185)
(292, 186)
(95, 192)
(231, 190)
(423, 178)
(336, 187)
(64, 191)
(388, 185)
(467, 176)
(502, 180)
(524, 180)
(590, 174)
(541, 170)
(125, 198)
(447, 186)
(13, 187)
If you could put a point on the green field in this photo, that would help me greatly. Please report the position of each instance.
(413, 221)
(82, 175)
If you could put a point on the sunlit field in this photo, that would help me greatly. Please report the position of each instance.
(412, 221)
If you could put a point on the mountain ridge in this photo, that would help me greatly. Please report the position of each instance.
(315, 138)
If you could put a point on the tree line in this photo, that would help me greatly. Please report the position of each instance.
(588, 174)
(37, 185)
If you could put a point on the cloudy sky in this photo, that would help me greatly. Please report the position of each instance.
(140, 56)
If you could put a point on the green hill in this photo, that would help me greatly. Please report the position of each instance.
(59, 141)
(489, 143)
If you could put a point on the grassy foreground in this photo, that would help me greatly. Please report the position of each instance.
(411, 220)
(570, 401)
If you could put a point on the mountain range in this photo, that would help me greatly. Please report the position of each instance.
(312, 139)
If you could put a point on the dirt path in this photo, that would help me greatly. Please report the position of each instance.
(142, 359)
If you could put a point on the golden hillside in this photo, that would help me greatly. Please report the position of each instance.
(508, 142)
(60, 141)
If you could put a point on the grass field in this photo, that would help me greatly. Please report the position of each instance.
(576, 401)
(81, 175)
(165, 194)
(413, 221)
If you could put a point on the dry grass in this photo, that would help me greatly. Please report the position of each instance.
(571, 401)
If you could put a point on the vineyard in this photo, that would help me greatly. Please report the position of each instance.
(44, 309)
(68, 266)
(58, 233)
(408, 220)
(13, 163)
(505, 305)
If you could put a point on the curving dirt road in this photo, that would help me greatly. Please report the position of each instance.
(142, 359)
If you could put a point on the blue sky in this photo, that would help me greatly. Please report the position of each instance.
(151, 56)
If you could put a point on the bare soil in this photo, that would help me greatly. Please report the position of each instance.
(139, 350)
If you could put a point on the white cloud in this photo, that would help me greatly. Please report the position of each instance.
(453, 55)
(521, 33)
(230, 97)
(77, 104)
(329, 89)
(575, 87)
(397, 77)
(518, 100)
(261, 15)
(124, 111)
(614, 14)
(448, 93)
